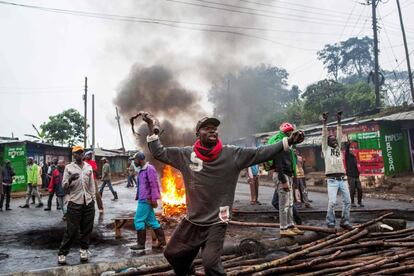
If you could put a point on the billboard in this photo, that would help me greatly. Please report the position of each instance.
(17, 156)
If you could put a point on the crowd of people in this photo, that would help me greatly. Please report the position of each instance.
(210, 171)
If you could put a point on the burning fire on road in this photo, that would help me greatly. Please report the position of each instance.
(172, 192)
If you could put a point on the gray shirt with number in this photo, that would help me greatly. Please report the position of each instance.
(210, 186)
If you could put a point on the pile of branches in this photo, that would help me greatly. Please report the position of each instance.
(351, 252)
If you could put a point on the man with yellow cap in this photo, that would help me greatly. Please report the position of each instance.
(79, 184)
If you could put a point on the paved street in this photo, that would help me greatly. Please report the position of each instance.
(30, 237)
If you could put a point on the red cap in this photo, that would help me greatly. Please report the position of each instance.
(286, 127)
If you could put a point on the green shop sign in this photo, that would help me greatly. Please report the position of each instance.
(17, 156)
(394, 145)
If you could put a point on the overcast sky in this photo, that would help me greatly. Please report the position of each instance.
(46, 53)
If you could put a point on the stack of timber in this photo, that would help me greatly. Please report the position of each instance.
(358, 251)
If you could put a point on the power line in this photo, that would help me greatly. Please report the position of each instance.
(330, 15)
(347, 21)
(300, 19)
(174, 24)
(329, 11)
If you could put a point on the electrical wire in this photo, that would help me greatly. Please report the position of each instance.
(320, 22)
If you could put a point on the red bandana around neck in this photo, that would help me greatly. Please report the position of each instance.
(207, 154)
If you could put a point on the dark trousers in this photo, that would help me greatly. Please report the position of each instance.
(187, 240)
(355, 185)
(275, 203)
(49, 201)
(5, 194)
(79, 218)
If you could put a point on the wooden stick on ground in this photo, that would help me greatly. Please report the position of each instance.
(292, 256)
(277, 225)
(377, 265)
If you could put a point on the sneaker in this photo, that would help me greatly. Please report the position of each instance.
(346, 226)
(62, 260)
(47, 209)
(8, 209)
(287, 233)
(331, 226)
(353, 205)
(297, 230)
(361, 205)
(24, 206)
(84, 255)
(40, 205)
(33, 203)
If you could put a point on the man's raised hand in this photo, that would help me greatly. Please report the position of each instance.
(296, 137)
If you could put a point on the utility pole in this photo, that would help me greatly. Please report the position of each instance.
(85, 123)
(376, 69)
(93, 121)
(120, 131)
(407, 55)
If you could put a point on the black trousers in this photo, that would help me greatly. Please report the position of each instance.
(79, 218)
(187, 240)
(5, 194)
(49, 201)
(355, 185)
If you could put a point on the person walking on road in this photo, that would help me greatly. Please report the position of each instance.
(8, 176)
(106, 178)
(253, 180)
(352, 173)
(335, 173)
(33, 177)
(55, 187)
(148, 192)
(79, 184)
(92, 163)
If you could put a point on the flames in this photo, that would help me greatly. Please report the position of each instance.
(172, 192)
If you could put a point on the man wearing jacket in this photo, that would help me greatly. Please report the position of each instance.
(79, 184)
(8, 175)
(148, 192)
(285, 166)
(55, 187)
(32, 183)
(335, 173)
(352, 173)
(210, 172)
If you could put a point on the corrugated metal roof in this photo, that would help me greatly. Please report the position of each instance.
(402, 116)
(109, 153)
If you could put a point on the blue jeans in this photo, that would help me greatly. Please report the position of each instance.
(106, 182)
(145, 216)
(333, 186)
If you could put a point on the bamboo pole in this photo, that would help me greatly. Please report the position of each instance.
(378, 264)
(384, 234)
(352, 238)
(292, 256)
(277, 225)
(276, 270)
(335, 269)
(406, 267)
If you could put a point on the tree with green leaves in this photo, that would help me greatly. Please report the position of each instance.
(65, 128)
(331, 96)
(354, 56)
(331, 56)
(40, 136)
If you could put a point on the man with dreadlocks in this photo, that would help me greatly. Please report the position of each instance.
(210, 171)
